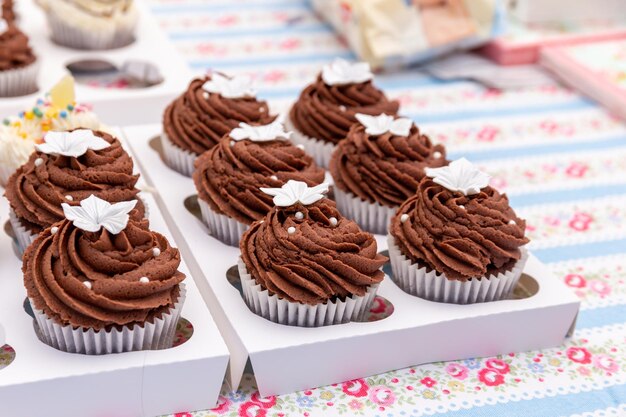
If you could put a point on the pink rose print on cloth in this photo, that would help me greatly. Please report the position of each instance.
(355, 388)
(498, 365)
(267, 402)
(428, 381)
(223, 404)
(576, 170)
(605, 362)
(578, 354)
(487, 134)
(382, 395)
(575, 281)
(490, 377)
(457, 371)
(355, 405)
(600, 287)
(252, 409)
(580, 222)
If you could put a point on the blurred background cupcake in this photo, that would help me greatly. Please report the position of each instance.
(126, 295)
(57, 111)
(378, 166)
(91, 24)
(229, 177)
(67, 168)
(327, 108)
(210, 108)
(457, 240)
(305, 264)
(18, 63)
(8, 10)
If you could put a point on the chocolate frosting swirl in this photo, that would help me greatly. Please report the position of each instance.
(14, 49)
(8, 13)
(56, 266)
(463, 237)
(384, 169)
(327, 112)
(228, 177)
(37, 190)
(317, 263)
(197, 119)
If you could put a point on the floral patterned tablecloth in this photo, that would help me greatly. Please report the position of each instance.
(560, 158)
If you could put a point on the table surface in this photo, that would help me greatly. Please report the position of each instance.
(560, 158)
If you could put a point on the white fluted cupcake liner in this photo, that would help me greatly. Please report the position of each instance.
(114, 36)
(222, 227)
(320, 150)
(177, 158)
(150, 336)
(289, 313)
(23, 236)
(19, 81)
(372, 217)
(433, 286)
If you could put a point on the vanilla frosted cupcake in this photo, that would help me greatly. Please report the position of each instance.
(58, 111)
(229, 177)
(210, 108)
(91, 24)
(378, 166)
(18, 63)
(327, 108)
(305, 264)
(67, 168)
(101, 282)
(457, 240)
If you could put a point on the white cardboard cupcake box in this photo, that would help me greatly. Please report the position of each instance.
(44, 381)
(287, 359)
(144, 105)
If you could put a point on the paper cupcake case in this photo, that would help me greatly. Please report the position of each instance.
(320, 150)
(150, 336)
(289, 313)
(19, 81)
(177, 158)
(372, 217)
(23, 236)
(114, 36)
(224, 228)
(433, 286)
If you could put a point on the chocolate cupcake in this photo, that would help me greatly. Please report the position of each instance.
(18, 63)
(378, 166)
(100, 282)
(229, 177)
(8, 11)
(210, 108)
(327, 108)
(67, 168)
(305, 264)
(457, 240)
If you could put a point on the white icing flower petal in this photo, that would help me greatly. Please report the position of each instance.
(74, 144)
(272, 131)
(461, 175)
(95, 213)
(235, 87)
(296, 191)
(383, 123)
(341, 71)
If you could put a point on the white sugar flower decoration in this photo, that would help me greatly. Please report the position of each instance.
(235, 87)
(95, 213)
(461, 175)
(341, 71)
(4, 26)
(296, 191)
(74, 143)
(383, 123)
(274, 130)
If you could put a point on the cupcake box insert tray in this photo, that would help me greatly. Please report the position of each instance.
(43, 381)
(112, 105)
(287, 358)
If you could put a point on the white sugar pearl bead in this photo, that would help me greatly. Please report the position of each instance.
(333, 221)
(144, 280)
(54, 230)
(69, 198)
(38, 162)
(274, 177)
(462, 206)
(300, 147)
(205, 95)
(299, 215)
(404, 218)
(512, 222)
(437, 154)
(87, 284)
(291, 230)
(156, 252)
